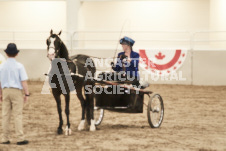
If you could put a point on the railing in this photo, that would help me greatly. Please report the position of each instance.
(208, 40)
(109, 39)
(103, 39)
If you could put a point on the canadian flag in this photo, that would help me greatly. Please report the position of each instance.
(162, 61)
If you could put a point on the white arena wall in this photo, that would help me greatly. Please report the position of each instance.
(95, 27)
(32, 15)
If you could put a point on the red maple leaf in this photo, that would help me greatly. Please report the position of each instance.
(160, 56)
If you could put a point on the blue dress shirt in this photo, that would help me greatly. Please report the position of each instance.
(131, 67)
(12, 73)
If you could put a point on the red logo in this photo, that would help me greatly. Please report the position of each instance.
(160, 56)
(162, 61)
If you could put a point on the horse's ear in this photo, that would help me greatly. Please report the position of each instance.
(60, 32)
(51, 32)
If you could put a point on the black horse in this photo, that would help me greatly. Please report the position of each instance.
(64, 79)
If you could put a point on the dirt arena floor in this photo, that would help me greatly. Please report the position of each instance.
(195, 119)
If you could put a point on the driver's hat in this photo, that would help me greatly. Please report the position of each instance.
(127, 41)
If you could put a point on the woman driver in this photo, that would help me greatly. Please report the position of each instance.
(127, 62)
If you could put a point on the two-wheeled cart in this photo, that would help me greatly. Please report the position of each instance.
(118, 97)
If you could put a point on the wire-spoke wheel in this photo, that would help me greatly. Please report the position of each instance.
(155, 111)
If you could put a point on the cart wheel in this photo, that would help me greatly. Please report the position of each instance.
(98, 115)
(155, 111)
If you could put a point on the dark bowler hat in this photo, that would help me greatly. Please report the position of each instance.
(127, 40)
(11, 49)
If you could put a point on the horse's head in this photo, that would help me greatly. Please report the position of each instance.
(53, 45)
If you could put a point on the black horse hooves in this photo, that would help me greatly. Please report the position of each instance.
(59, 131)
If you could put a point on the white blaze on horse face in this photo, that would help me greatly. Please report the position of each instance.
(51, 51)
(51, 46)
(52, 42)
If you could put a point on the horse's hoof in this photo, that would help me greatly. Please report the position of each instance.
(81, 125)
(67, 131)
(59, 131)
(92, 126)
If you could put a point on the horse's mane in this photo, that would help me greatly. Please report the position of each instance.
(63, 52)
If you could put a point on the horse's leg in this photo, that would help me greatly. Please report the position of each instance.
(89, 112)
(83, 104)
(67, 112)
(58, 101)
(92, 126)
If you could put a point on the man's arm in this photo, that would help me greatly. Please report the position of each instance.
(23, 78)
(25, 87)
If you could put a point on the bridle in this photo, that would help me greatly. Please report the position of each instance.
(56, 51)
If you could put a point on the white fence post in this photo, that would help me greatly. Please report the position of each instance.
(191, 50)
